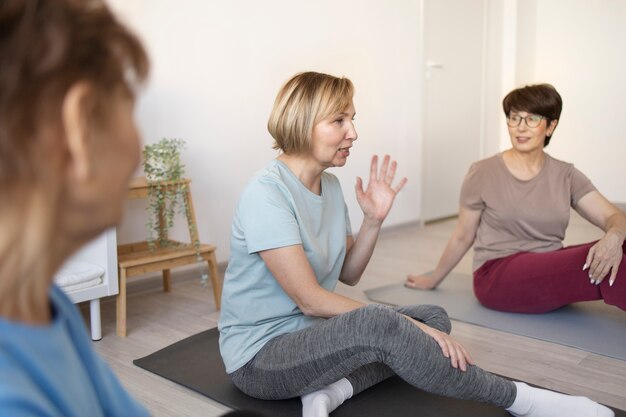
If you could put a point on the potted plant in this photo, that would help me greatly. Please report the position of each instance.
(164, 172)
(167, 194)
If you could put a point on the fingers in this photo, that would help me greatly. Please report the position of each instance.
(459, 357)
(387, 172)
(443, 344)
(374, 168)
(384, 169)
(613, 274)
(466, 355)
(391, 172)
(601, 271)
(400, 185)
(359, 187)
(589, 258)
(593, 263)
(452, 353)
(601, 263)
(387, 168)
(419, 282)
(412, 281)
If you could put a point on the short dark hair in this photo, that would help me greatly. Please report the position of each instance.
(541, 99)
(46, 47)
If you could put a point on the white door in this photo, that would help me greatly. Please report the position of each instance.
(453, 33)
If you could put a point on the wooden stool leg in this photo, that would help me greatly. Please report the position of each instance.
(121, 305)
(215, 280)
(167, 280)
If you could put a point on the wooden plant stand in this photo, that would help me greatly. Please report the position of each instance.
(138, 259)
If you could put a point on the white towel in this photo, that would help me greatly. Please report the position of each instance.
(77, 272)
(82, 285)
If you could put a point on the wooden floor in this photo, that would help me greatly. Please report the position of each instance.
(157, 319)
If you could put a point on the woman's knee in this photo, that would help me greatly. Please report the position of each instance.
(431, 315)
(382, 327)
(438, 318)
(378, 319)
(375, 313)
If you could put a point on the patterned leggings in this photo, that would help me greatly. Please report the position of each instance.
(366, 346)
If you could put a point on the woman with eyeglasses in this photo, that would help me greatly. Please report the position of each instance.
(514, 209)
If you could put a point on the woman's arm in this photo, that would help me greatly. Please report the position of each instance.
(294, 273)
(375, 201)
(461, 240)
(606, 255)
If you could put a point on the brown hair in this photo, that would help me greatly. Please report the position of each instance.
(46, 47)
(306, 99)
(541, 99)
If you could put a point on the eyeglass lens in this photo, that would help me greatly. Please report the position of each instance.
(531, 120)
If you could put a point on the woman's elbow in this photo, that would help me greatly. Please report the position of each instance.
(308, 306)
(313, 303)
(350, 281)
(466, 239)
(308, 310)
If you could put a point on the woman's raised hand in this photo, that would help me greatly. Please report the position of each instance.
(376, 200)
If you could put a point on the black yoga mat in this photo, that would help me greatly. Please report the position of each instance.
(195, 363)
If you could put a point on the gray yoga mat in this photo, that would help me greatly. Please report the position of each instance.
(591, 326)
(195, 363)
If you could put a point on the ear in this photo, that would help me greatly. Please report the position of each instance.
(74, 114)
(551, 127)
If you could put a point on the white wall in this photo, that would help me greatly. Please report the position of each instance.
(577, 45)
(217, 66)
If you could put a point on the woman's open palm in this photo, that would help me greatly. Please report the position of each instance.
(376, 200)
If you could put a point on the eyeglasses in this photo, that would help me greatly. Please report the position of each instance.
(532, 120)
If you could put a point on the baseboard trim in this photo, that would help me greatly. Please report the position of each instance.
(393, 228)
(153, 282)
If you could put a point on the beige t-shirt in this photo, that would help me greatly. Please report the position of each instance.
(521, 216)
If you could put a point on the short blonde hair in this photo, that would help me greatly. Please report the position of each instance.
(306, 99)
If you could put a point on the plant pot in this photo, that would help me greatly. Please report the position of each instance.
(159, 169)
(162, 160)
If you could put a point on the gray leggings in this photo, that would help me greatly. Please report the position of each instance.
(366, 346)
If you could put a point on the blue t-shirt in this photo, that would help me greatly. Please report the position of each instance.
(276, 210)
(52, 370)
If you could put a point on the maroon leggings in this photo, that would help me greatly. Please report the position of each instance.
(540, 282)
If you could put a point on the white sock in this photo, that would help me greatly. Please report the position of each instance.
(321, 402)
(537, 402)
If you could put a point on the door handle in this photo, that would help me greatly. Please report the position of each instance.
(430, 66)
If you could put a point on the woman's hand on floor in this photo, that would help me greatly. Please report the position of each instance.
(420, 282)
(459, 357)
